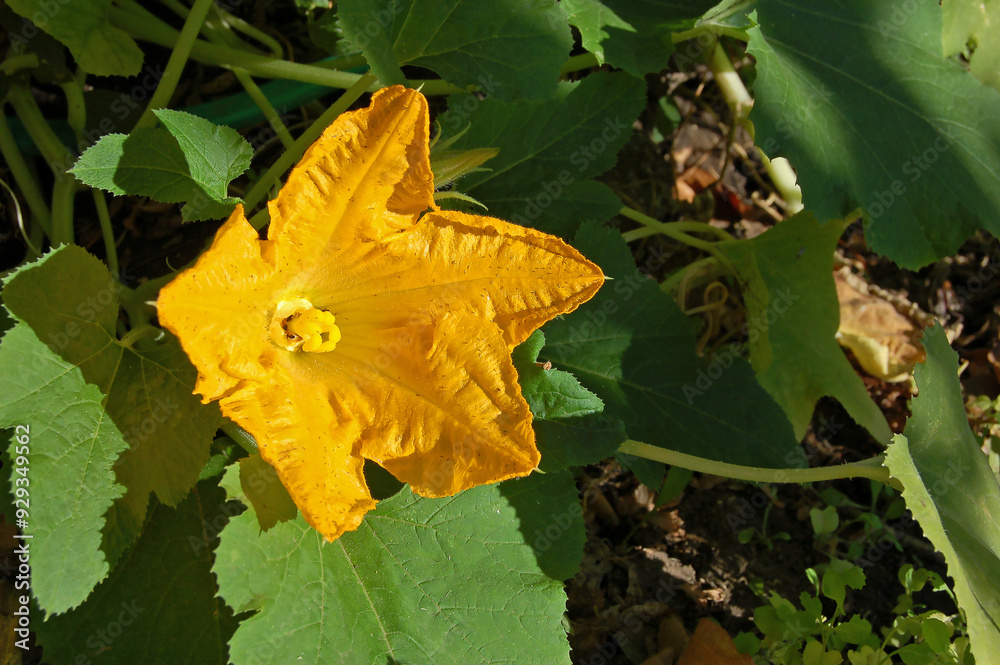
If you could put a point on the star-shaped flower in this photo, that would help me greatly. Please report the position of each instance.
(371, 324)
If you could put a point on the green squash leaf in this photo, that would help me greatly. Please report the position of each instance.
(634, 347)
(421, 582)
(551, 520)
(551, 393)
(549, 151)
(634, 35)
(951, 491)
(188, 160)
(159, 604)
(83, 26)
(70, 301)
(569, 428)
(511, 49)
(887, 124)
(71, 448)
(787, 278)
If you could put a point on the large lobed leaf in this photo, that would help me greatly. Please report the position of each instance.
(83, 26)
(549, 151)
(951, 491)
(634, 348)
(72, 446)
(509, 48)
(793, 313)
(159, 604)
(886, 123)
(421, 582)
(70, 302)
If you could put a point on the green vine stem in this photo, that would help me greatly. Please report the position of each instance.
(683, 227)
(240, 436)
(63, 196)
(871, 468)
(104, 217)
(129, 339)
(55, 153)
(228, 20)
(76, 114)
(146, 27)
(58, 157)
(213, 28)
(175, 65)
(672, 231)
(740, 102)
(264, 104)
(308, 137)
(15, 63)
(22, 176)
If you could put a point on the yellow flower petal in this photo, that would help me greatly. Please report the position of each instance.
(217, 308)
(516, 277)
(360, 330)
(438, 396)
(367, 177)
(309, 439)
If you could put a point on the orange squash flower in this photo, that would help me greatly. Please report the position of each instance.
(371, 324)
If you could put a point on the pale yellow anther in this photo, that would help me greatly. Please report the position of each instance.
(298, 326)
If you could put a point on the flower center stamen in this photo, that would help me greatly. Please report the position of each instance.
(298, 326)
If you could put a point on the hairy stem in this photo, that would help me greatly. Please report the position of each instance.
(110, 249)
(264, 104)
(240, 436)
(672, 231)
(175, 65)
(740, 102)
(871, 468)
